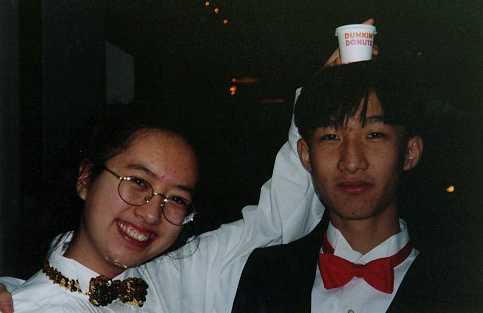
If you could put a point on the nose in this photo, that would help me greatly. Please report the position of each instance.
(151, 212)
(352, 156)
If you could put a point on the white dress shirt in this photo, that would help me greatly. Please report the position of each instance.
(357, 296)
(205, 277)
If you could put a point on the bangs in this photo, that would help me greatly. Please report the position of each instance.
(332, 97)
(344, 111)
(337, 93)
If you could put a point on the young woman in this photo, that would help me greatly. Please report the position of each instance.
(137, 182)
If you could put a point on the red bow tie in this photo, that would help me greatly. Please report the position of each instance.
(336, 271)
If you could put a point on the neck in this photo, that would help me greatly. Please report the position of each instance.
(80, 251)
(363, 235)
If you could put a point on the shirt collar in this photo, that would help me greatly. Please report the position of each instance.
(72, 269)
(387, 248)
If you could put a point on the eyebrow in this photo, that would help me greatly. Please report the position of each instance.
(150, 173)
(186, 188)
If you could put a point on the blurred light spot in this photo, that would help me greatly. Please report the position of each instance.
(216, 10)
(247, 80)
(450, 189)
(233, 89)
(207, 3)
(226, 21)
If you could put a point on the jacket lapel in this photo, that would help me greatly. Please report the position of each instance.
(280, 278)
(306, 252)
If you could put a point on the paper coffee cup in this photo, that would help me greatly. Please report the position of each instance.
(355, 42)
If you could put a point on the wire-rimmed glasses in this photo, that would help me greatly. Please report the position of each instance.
(137, 191)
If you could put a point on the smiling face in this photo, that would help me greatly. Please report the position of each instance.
(114, 234)
(356, 168)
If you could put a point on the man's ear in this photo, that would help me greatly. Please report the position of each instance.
(304, 154)
(84, 179)
(414, 152)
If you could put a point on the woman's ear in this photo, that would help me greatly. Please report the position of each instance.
(84, 179)
(304, 154)
(414, 152)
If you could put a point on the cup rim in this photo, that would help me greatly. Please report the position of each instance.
(341, 28)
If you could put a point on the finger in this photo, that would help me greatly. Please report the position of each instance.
(333, 59)
(375, 50)
(369, 21)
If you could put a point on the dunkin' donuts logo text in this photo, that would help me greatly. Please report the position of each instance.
(358, 39)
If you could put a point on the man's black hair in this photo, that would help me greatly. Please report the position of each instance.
(335, 93)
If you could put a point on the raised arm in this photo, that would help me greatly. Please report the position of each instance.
(288, 209)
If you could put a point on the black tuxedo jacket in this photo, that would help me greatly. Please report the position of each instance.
(279, 279)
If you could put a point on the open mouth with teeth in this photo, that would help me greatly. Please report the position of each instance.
(134, 235)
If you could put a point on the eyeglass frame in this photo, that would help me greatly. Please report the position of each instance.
(165, 200)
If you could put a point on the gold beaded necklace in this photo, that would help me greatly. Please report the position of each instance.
(102, 290)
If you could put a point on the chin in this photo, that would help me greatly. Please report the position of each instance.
(124, 259)
(357, 216)
(354, 214)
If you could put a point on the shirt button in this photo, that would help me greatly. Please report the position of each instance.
(350, 311)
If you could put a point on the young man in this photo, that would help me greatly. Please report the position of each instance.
(359, 131)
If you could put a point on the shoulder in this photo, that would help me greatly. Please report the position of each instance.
(39, 295)
(292, 254)
(425, 287)
(279, 278)
(291, 259)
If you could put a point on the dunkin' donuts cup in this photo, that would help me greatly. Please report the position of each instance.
(355, 42)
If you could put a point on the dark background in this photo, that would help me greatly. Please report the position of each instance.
(54, 81)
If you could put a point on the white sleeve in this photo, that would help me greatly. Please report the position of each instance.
(11, 283)
(287, 210)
